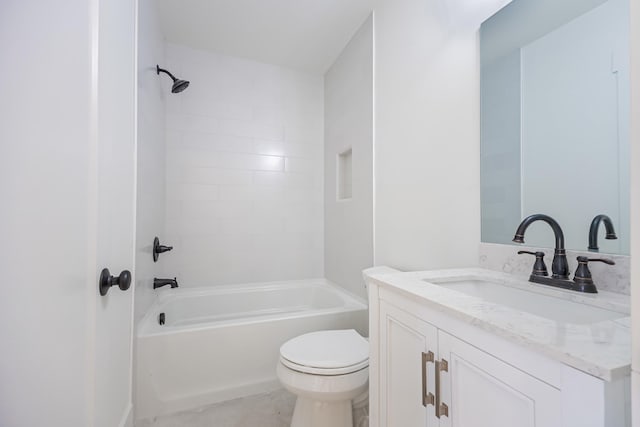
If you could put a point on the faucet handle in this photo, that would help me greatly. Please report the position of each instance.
(582, 278)
(539, 268)
(587, 260)
(159, 249)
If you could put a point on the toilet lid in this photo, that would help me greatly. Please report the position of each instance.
(327, 350)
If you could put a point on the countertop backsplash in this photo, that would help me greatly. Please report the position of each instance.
(505, 258)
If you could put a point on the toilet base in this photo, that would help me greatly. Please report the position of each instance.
(316, 413)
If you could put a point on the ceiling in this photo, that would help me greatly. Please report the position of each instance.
(302, 34)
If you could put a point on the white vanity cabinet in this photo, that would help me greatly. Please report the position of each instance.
(423, 356)
(481, 390)
(475, 388)
(404, 379)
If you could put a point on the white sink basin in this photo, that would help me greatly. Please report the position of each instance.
(550, 307)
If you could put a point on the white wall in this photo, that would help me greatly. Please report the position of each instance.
(349, 124)
(47, 269)
(635, 204)
(244, 171)
(151, 154)
(427, 135)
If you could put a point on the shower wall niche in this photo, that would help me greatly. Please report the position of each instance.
(345, 175)
(244, 171)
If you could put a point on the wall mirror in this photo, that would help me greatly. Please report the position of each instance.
(555, 120)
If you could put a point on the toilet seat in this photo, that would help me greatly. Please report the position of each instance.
(323, 371)
(326, 353)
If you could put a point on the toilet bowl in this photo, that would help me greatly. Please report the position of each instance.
(326, 370)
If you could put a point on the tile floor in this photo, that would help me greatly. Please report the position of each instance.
(272, 409)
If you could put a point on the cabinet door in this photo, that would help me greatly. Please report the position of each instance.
(483, 391)
(403, 340)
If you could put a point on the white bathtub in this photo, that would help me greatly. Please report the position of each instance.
(223, 342)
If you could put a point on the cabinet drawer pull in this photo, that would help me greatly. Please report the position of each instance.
(427, 398)
(441, 408)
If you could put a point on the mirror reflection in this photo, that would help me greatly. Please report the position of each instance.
(555, 120)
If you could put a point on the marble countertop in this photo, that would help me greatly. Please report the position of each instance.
(601, 349)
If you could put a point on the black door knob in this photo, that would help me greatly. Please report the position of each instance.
(123, 281)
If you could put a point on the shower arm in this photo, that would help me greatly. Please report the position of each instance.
(162, 70)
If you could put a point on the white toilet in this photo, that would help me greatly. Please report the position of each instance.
(326, 370)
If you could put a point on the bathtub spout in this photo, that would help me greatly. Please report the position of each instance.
(158, 283)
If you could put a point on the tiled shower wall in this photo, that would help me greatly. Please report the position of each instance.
(244, 171)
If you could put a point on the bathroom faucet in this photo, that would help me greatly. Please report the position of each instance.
(158, 283)
(593, 231)
(559, 266)
(582, 280)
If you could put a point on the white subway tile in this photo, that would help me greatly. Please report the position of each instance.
(218, 176)
(173, 104)
(209, 103)
(268, 163)
(206, 158)
(298, 195)
(235, 225)
(267, 224)
(217, 142)
(270, 148)
(215, 209)
(174, 138)
(271, 208)
(269, 179)
(268, 131)
(269, 113)
(174, 210)
(300, 181)
(303, 135)
(253, 129)
(191, 122)
(268, 193)
(300, 225)
(200, 192)
(308, 151)
(199, 227)
(172, 192)
(302, 165)
(236, 192)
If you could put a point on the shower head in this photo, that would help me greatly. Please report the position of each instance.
(178, 85)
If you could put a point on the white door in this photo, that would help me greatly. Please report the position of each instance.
(483, 391)
(66, 210)
(116, 212)
(406, 380)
